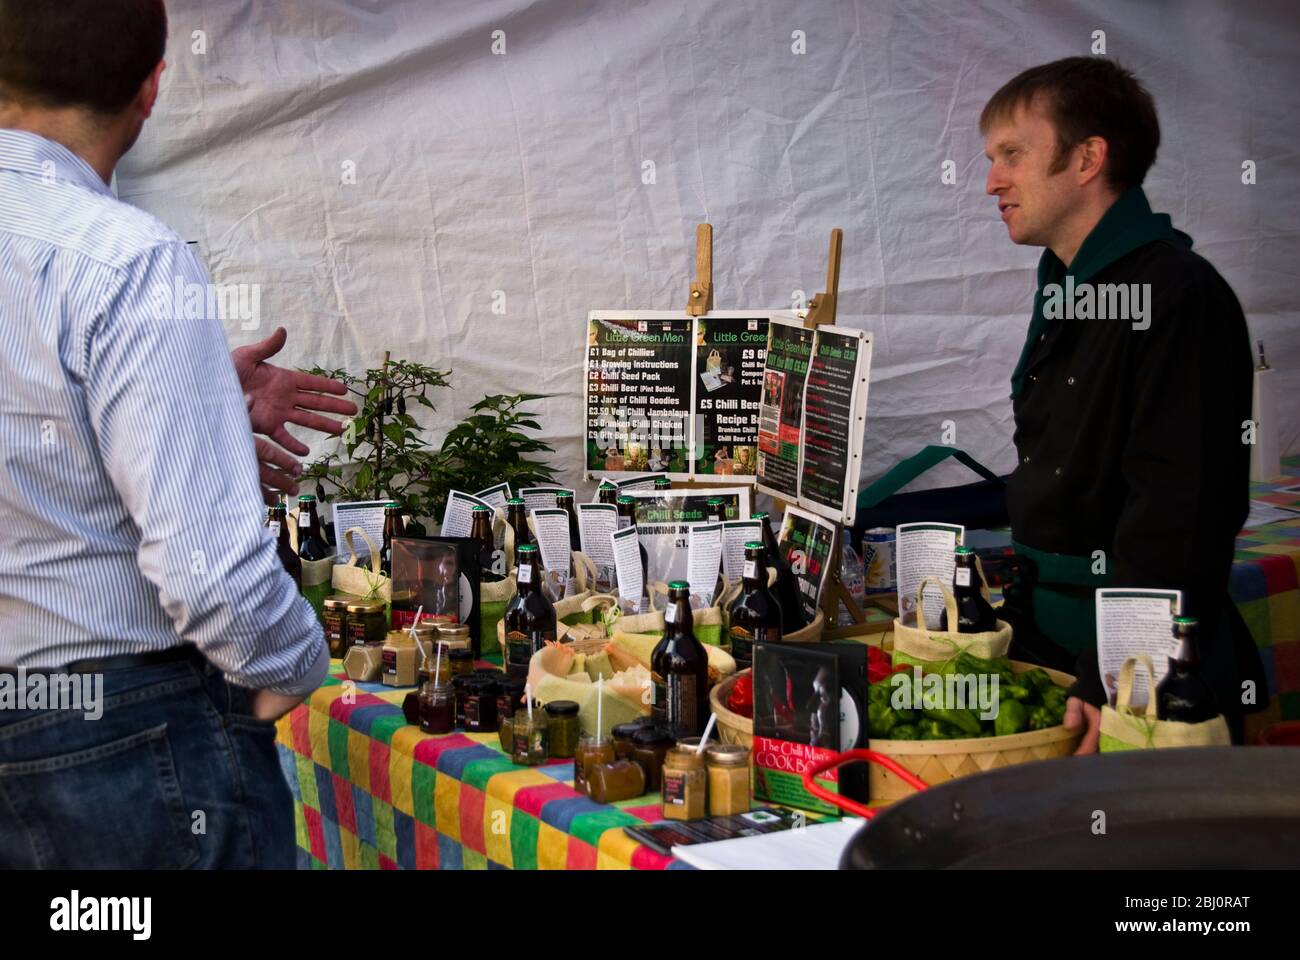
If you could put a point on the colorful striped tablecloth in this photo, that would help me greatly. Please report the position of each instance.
(372, 792)
(1266, 587)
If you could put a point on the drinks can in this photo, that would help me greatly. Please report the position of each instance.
(878, 559)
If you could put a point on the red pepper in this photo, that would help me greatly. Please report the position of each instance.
(741, 698)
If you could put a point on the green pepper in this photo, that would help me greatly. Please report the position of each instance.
(964, 721)
(1022, 692)
(905, 731)
(1038, 679)
(1012, 717)
(1040, 718)
(1054, 698)
(879, 693)
(880, 719)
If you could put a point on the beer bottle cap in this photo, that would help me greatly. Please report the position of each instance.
(564, 495)
(714, 501)
(753, 545)
(515, 501)
(1185, 621)
(678, 585)
(474, 509)
(963, 551)
(758, 516)
(528, 548)
(303, 498)
(626, 499)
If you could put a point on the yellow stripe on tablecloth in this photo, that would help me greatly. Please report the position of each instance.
(615, 849)
(351, 845)
(318, 734)
(446, 806)
(359, 759)
(499, 808)
(401, 757)
(1284, 616)
(552, 847)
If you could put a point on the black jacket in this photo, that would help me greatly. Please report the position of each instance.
(1130, 442)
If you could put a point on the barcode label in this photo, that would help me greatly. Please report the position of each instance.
(525, 573)
(962, 577)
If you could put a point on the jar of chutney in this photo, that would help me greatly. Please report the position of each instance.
(480, 704)
(562, 715)
(334, 618)
(366, 625)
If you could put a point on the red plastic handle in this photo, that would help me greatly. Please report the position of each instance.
(844, 803)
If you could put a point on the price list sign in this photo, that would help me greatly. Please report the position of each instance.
(639, 394)
(780, 416)
(834, 419)
(730, 354)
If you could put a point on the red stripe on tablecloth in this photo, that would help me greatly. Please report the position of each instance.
(315, 832)
(471, 819)
(1279, 573)
(581, 855)
(341, 710)
(343, 804)
(426, 847)
(431, 748)
(386, 864)
(298, 731)
(530, 800)
(643, 858)
(379, 785)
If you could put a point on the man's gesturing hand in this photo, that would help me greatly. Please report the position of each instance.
(277, 396)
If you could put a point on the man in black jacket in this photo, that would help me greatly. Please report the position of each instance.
(1132, 392)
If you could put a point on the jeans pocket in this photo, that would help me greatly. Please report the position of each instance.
(117, 804)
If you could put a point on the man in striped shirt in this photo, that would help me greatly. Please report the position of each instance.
(133, 563)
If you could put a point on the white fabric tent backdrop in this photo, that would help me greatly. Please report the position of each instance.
(517, 178)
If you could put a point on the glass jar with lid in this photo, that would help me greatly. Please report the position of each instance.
(562, 717)
(437, 710)
(366, 622)
(480, 704)
(650, 745)
(729, 778)
(685, 784)
(529, 736)
(334, 618)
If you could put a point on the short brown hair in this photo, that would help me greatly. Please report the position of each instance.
(1088, 97)
(87, 53)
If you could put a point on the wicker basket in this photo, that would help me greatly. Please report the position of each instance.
(934, 761)
(731, 727)
(938, 761)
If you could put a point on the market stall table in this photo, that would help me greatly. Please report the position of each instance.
(372, 792)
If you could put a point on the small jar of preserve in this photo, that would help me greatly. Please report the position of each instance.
(685, 785)
(437, 710)
(622, 733)
(334, 618)
(650, 745)
(366, 622)
(459, 693)
(529, 736)
(728, 769)
(480, 704)
(462, 661)
(619, 780)
(455, 636)
(591, 750)
(562, 715)
(510, 696)
(506, 735)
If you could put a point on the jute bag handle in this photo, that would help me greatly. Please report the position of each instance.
(949, 603)
(584, 571)
(352, 550)
(1124, 697)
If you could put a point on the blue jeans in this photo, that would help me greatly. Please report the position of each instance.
(175, 773)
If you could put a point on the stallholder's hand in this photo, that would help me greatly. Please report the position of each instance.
(275, 397)
(1081, 714)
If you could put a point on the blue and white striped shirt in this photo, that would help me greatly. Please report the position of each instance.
(129, 492)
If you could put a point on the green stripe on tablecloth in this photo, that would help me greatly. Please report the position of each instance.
(1256, 615)
(385, 835)
(588, 827)
(423, 780)
(369, 857)
(477, 773)
(384, 727)
(307, 781)
(338, 745)
(472, 859)
(300, 827)
(523, 840)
